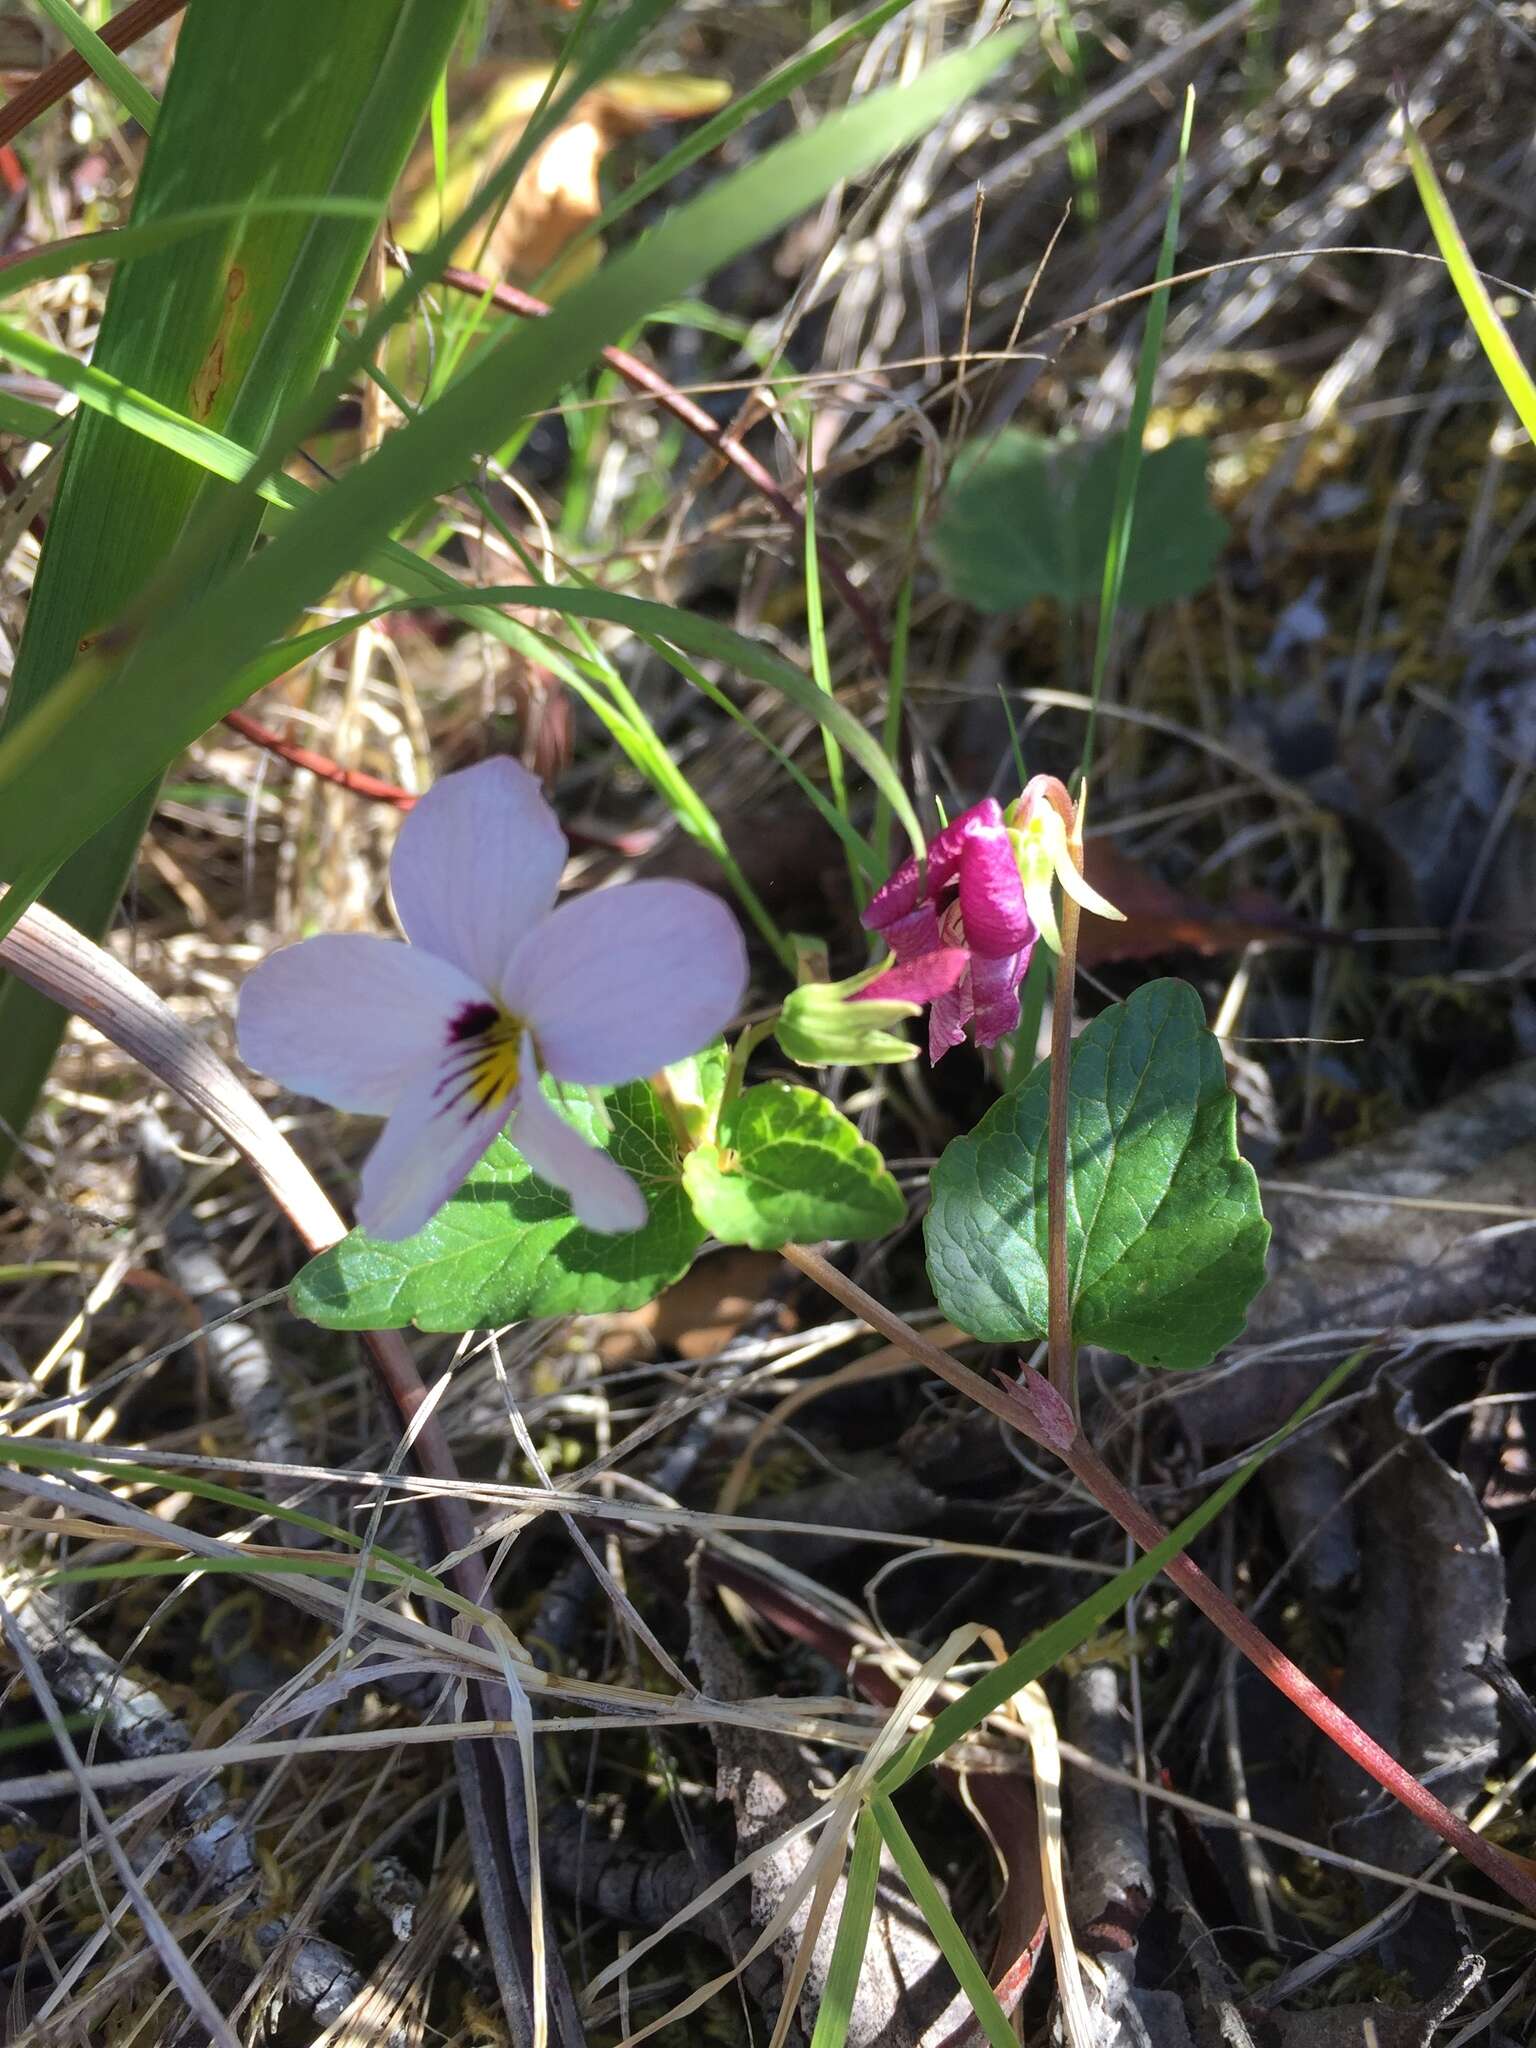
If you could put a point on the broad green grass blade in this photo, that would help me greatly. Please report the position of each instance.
(847, 1964)
(1135, 434)
(930, 1902)
(1513, 376)
(143, 706)
(1034, 1658)
(116, 245)
(134, 95)
(230, 327)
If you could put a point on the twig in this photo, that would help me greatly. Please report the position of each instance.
(217, 1846)
(641, 377)
(240, 1362)
(70, 70)
(321, 765)
(1035, 1409)
(177, 1965)
(60, 963)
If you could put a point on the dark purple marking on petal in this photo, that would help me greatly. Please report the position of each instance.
(471, 1020)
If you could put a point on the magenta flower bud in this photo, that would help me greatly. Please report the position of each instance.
(960, 930)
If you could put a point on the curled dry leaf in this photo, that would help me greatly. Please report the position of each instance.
(1431, 1603)
(1160, 918)
(558, 194)
(1353, 1252)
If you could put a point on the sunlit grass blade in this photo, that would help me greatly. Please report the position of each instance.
(135, 97)
(821, 667)
(941, 1923)
(1514, 378)
(117, 245)
(145, 705)
(896, 686)
(1124, 513)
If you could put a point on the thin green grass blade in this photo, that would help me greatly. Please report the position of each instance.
(1034, 1658)
(229, 327)
(821, 666)
(440, 146)
(847, 1964)
(1131, 451)
(896, 687)
(145, 705)
(43, 1457)
(114, 74)
(859, 852)
(1514, 378)
(942, 1925)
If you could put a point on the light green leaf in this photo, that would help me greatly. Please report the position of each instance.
(507, 1245)
(1025, 517)
(822, 1025)
(789, 1166)
(697, 1084)
(942, 1925)
(1165, 1235)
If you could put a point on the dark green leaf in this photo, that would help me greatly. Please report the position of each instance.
(788, 1166)
(1025, 518)
(507, 1245)
(1165, 1235)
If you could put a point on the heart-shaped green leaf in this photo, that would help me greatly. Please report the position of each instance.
(1165, 1235)
(789, 1166)
(1025, 517)
(507, 1245)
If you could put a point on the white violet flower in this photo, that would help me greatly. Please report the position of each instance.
(448, 1035)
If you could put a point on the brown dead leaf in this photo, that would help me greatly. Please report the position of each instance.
(559, 192)
(701, 1314)
(1162, 919)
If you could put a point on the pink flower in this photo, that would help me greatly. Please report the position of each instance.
(447, 1036)
(962, 933)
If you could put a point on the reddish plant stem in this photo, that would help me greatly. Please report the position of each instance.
(70, 70)
(1061, 1350)
(1035, 1409)
(353, 779)
(1510, 1874)
(641, 377)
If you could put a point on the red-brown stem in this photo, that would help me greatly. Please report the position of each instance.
(1060, 1348)
(354, 779)
(1511, 1876)
(70, 70)
(1033, 1408)
(641, 377)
